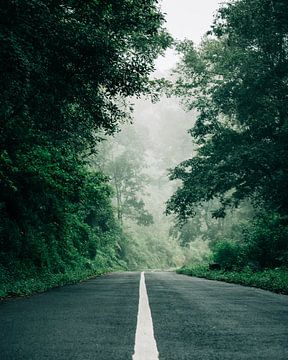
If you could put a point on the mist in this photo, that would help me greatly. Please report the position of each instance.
(143, 135)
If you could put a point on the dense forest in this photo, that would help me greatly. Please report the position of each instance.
(237, 80)
(68, 69)
(84, 191)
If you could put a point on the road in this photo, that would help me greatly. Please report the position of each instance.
(193, 319)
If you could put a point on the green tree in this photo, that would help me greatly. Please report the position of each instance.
(63, 63)
(237, 80)
(66, 69)
(123, 160)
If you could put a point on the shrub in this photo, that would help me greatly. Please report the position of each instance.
(227, 254)
(266, 242)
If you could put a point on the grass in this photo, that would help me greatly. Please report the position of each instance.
(275, 280)
(42, 282)
(24, 279)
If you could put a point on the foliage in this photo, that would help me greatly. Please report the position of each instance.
(265, 242)
(56, 216)
(66, 69)
(237, 80)
(204, 226)
(275, 280)
(227, 254)
(263, 245)
(135, 160)
(149, 247)
(128, 181)
(35, 282)
(122, 160)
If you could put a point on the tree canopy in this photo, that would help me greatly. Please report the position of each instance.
(67, 68)
(238, 82)
(65, 65)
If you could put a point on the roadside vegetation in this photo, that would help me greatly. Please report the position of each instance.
(275, 280)
(21, 284)
(257, 257)
(82, 192)
(233, 191)
(67, 70)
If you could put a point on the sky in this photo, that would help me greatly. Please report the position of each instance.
(189, 19)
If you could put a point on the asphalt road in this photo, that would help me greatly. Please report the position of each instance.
(93, 320)
(193, 319)
(197, 319)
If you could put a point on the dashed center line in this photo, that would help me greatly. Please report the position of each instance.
(145, 344)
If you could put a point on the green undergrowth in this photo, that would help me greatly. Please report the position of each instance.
(275, 280)
(31, 282)
(43, 282)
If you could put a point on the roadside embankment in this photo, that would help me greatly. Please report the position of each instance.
(275, 280)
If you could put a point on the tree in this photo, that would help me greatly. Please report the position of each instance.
(122, 160)
(62, 70)
(67, 67)
(237, 80)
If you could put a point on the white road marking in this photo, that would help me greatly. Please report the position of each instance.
(145, 344)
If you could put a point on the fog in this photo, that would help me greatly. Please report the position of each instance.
(137, 161)
(145, 151)
(186, 19)
(126, 148)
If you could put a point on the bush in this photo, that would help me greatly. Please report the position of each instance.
(275, 280)
(266, 242)
(264, 245)
(227, 254)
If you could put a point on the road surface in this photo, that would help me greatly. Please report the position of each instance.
(190, 319)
